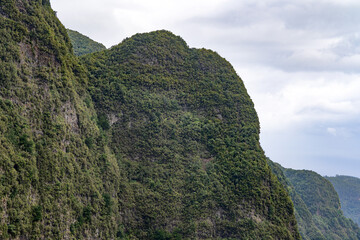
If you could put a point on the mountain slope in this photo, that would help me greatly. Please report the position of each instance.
(182, 124)
(82, 44)
(307, 227)
(317, 206)
(323, 203)
(148, 140)
(49, 183)
(348, 189)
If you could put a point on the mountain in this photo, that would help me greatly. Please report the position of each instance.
(317, 205)
(147, 140)
(348, 189)
(82, 44)
(185, 131)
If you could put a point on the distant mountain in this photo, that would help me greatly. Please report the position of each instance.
(82, 44)
(317, 206)
(348, 189)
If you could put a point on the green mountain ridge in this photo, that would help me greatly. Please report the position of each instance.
(82, 44)
(147, 140)
(348, 189)
(317, 205)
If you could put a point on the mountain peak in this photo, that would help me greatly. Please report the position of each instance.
(160, 37)
(154, 48)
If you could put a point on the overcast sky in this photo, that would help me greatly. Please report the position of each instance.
(299, 59)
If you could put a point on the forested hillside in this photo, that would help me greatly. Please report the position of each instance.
(317, 205)
(82, 44)
(50, 185)
(348, 189)
(185, 131)
(147, 140)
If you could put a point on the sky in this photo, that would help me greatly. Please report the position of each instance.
(299, 60)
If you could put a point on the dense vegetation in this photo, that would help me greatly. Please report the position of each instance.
(348, 189)
(148, 140)
(317, 206)
(186, 134)
(49, 184)
(82, 44)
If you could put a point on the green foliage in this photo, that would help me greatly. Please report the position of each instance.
(82, 44)
(36, 213)
(103, 121)
(108, 203)
(323, 203)
(348, 189)
(164, 235)
(89, 142)
(26, 144)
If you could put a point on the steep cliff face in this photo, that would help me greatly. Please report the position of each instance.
(46, 178)
(186, 133)
(148, 140)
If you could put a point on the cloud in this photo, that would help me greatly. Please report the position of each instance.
(331, 131)
(291, 36)
(110, 21)
(286, 100)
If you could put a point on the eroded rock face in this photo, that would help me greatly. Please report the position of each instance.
(70, 116)
(42, 152)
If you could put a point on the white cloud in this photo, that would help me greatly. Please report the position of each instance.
(331, 131)
(287, 100)
(111, 21)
